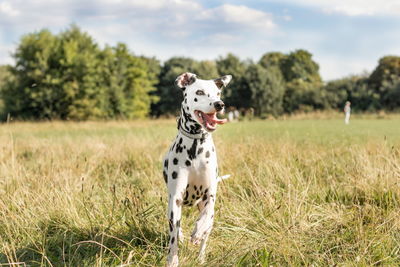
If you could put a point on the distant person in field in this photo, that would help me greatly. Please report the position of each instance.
(347, 111)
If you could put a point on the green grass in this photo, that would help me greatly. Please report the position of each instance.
(303, 192)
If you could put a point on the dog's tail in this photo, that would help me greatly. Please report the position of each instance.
(223, 177)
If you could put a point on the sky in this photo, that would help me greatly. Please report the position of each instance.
(346, 37)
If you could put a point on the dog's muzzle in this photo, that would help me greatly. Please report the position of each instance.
(219, 105)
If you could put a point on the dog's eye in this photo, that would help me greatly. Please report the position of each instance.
(200, 92)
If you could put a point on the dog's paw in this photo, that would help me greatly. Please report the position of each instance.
(181, 235)
(173, 261)
(202, 227)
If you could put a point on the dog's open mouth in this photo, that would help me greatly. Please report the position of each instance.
(209, 120)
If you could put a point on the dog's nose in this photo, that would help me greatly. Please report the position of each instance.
(219, 105)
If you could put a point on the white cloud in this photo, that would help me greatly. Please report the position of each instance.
(5, 54)
(152, 27)
(166, 28)
(8, 10)
(336, 66)
(239, 15)
(352, 7)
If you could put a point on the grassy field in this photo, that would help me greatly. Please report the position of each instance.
(303, 192)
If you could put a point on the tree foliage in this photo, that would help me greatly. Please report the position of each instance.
(384, 81)
(236, 94)
(67, 76)
(266, 88)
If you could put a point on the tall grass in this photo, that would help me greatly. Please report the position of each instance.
(302, 192)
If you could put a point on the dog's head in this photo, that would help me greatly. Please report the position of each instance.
(202, 99)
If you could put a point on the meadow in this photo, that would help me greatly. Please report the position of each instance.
(303, 192)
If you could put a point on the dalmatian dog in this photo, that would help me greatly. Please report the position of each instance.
(190, 165)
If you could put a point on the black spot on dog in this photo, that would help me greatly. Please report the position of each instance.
(193, 196)
(206, 191)
(213, 149)
(179, 148)
(207, 154)
(166, 163)
(207, 162)
(204, 197)
(185, 202)
(186, 196)
(172, 239)
(172, 215)
(200, 151)
(206, 204)
(184, 147)
(165, 177)
(208, 95)
(188, 163)
(174, 175)
(171, 227)
(180, 140)
(185, 101)
(175, 161)
(210, 103)
(192, 151)
(195, 187)
(201, 187)
(187, 108)
(195, 99)
(197, 192)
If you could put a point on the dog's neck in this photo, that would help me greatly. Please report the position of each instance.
(189, 127)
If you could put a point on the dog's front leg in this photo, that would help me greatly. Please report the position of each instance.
(205, 221)
(176, 188)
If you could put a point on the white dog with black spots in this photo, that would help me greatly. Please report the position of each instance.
(190, 165)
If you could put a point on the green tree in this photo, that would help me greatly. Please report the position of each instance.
(236, 93)
(303, 82)
(300, 65)
(206, 70)
(81, 95)
(266, 88)
(272, 59)
(4, 77)
(31, 94)
(354, 89)
(67, 76)
(384, 81)
(128, 82)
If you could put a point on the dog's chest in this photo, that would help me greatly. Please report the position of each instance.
(198, 158)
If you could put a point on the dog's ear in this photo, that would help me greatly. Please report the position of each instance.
(185, 79)
(223, 81)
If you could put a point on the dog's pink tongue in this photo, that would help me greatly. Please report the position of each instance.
(221, 121)
(212, 119)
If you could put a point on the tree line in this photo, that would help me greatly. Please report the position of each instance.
(68, 76)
